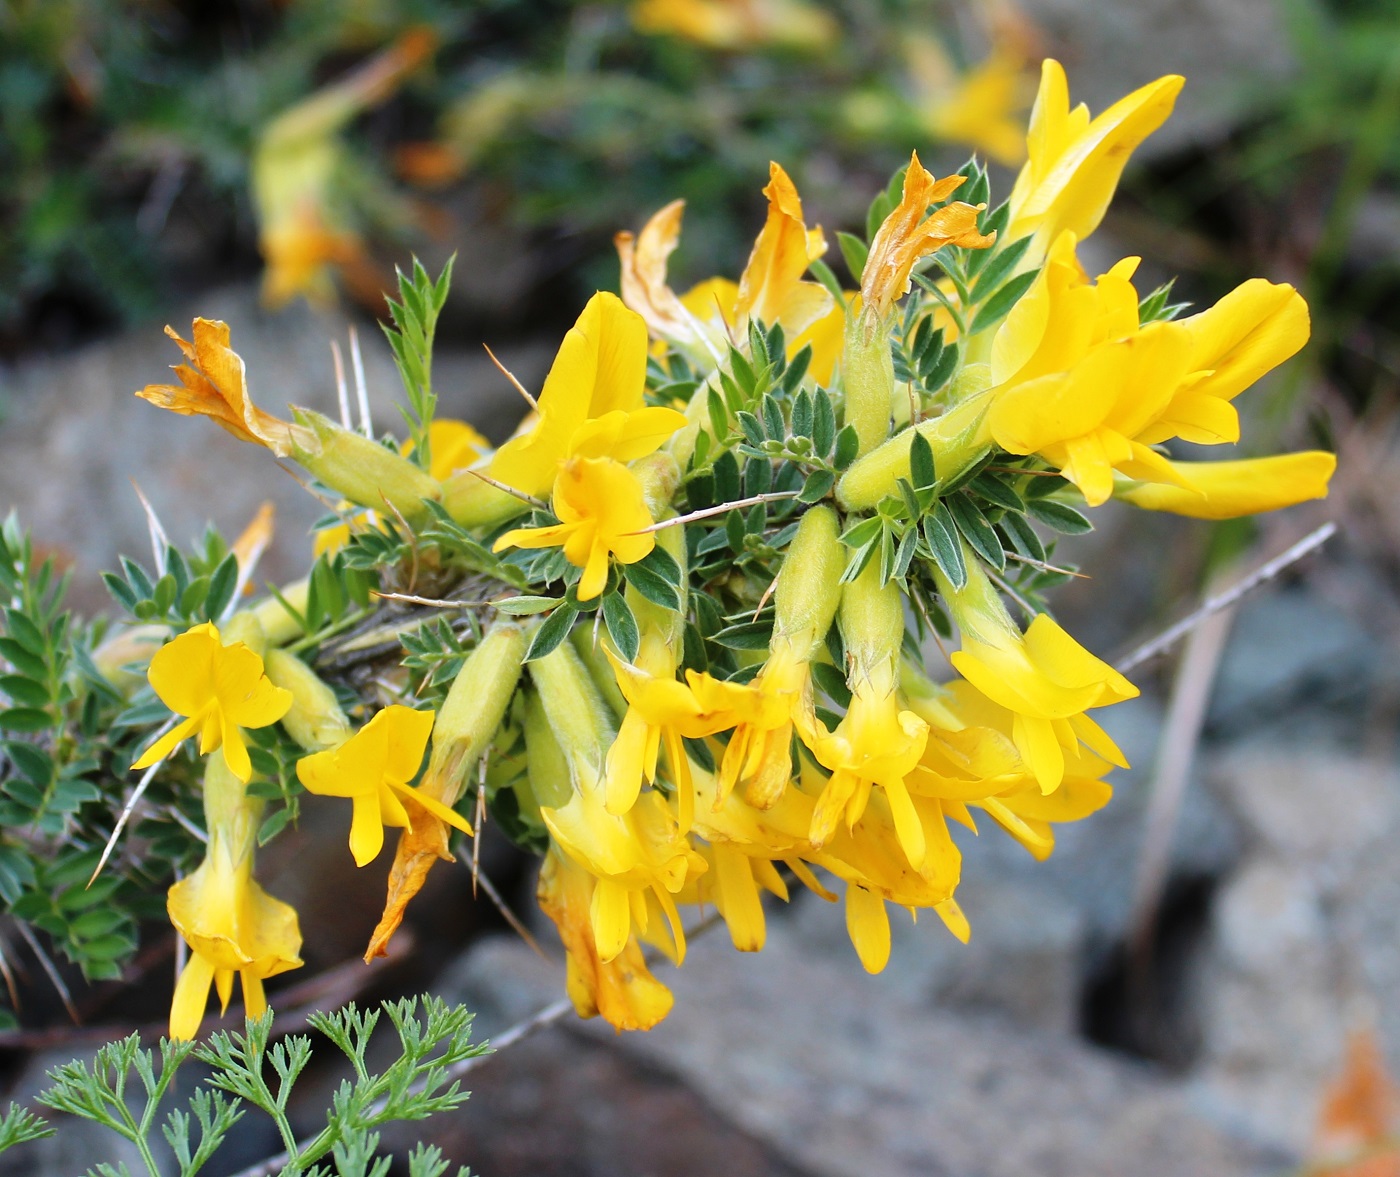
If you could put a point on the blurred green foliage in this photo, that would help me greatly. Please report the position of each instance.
(128, 127)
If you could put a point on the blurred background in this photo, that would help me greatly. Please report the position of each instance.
(1205, 978)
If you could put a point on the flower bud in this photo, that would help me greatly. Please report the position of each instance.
(576, 711)
(474, 708)
(809, 583)
(315, 720)
(958, 439)
(278, 625)
(362, 470)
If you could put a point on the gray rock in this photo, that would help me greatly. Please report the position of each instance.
(1302, 944)
(1291, 649)
(841, 1075)
(1229, 51)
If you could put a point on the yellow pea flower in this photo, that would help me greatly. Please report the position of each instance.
(877, 742)
(471, 713)
(640, 852)
(214, 384)
(770, 290)
(373, 769)
(1074, 161)
(1076, 380)
(660, 711)
(621, 988)
(602, 512)
(219, 689)
(979, 767)
(1043, 676)
(232, 926)
(737, 24)
(766, 711)
(734, 885)
(592, 404)
(983, 107)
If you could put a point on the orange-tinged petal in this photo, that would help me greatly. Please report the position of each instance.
(644, 287)
(910, 232)
(781, 254)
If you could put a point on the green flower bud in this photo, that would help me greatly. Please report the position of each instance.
(958, 439)
(315, 720)
(363, 470)
(279, 626)
(809, 583)
(474, 708)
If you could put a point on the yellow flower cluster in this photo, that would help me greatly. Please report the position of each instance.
(657, 781)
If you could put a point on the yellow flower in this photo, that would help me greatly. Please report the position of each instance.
(1074, 161)
(771, 289)
(632, 856)
(373, 769)
(877, 742)
(468, 721)
(232, 926)
(230, 923)
(982, 107)
(1044, 677)
(737, 24)
(714, 312)
(978, 766)
(765, 711)
(1078, 382)
(297, 176)
(220, 689)
(213, 384)
(592, 404)
(1227, 490)
(911, 232)
(659, 710)
(601, 512)
(621, 988)
(734, 884)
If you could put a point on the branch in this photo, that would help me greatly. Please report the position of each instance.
(1267, 571)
